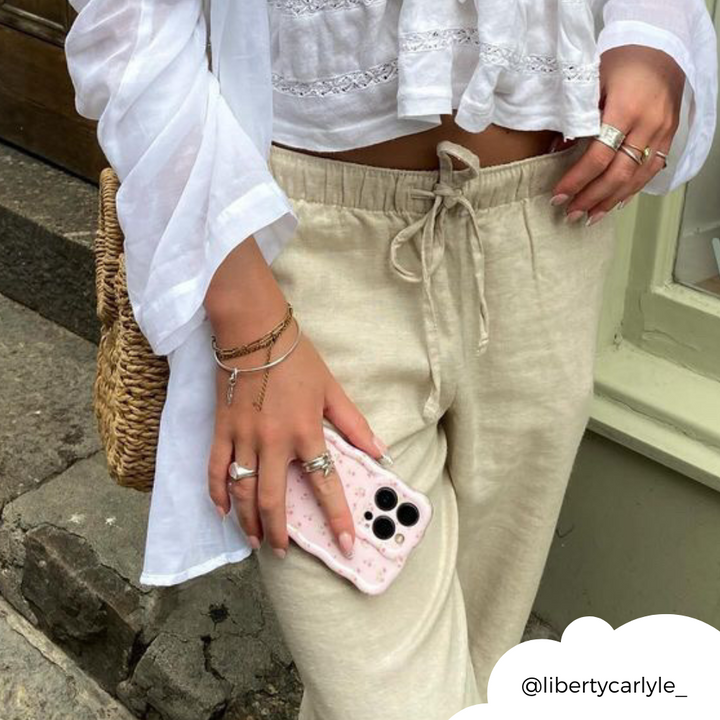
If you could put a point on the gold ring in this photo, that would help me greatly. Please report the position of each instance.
(644, 154)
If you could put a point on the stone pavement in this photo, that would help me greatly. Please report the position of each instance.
(40, 682)
(71, 545)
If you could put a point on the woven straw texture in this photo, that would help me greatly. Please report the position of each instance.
(131, 381)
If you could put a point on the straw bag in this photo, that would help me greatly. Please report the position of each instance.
(131, 381)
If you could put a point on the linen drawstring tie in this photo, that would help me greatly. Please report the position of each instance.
(446, 194)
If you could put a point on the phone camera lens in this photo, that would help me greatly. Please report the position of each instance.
(408, 514)
(386, 498)
(368, 515)
(383, 527)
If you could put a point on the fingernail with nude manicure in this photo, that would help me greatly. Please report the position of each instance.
(383, 448)
(597, 217)
(559, 199)
(346, 543)
(220, 512)
(254, 542)
(279, 552)
(574, 216)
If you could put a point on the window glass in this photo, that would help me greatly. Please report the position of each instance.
(697, 263)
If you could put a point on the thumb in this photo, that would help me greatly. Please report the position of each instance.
(344, 414)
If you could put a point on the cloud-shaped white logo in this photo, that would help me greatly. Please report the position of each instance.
(659, 666)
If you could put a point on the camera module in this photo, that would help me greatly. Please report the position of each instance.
(383, 527)
(408, 514)
(386, 498)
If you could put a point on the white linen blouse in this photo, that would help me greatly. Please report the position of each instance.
(189, 94)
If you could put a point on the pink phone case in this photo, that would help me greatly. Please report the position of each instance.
(383, 541)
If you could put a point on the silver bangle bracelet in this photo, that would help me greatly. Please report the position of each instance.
(236, 370)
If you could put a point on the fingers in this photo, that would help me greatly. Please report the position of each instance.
(274, 456)
(624, 176)
(244, 492)
(643, 175)
(220, 459)
(344, 414)
(595, 198)
(329, 491)
(596, 159)
(603, 178)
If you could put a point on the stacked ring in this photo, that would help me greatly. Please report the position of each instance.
(614, 138)
(631, 154)
(646, 154)
(322, 462)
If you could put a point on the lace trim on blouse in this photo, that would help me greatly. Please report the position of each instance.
(427, 41)
(338, 85)
(307, 7)
(499, 54)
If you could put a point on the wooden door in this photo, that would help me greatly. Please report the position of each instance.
(37, 98)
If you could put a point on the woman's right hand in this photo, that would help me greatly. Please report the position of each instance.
(301, 390)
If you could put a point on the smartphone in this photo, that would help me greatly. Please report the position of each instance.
(390, 517)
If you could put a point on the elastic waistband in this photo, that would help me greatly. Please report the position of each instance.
(336, 182)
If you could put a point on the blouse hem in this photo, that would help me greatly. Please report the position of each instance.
(393, 127)
(194, 571)
(380, 130)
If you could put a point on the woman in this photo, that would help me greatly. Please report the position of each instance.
(446, 266)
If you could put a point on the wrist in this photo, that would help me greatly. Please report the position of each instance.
(234, 323)
(243, 300)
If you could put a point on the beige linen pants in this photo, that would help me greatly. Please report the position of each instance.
(459, 311)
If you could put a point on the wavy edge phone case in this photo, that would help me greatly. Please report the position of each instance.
(379, 554)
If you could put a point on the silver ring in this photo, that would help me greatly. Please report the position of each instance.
(322, 462)
(238, 472)
(631, 154)
(664, 158)
(611, 136)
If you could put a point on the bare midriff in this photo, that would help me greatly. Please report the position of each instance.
(496, 145)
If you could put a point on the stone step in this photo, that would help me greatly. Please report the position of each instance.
(47, 224)
(71, 544)
(40, 682)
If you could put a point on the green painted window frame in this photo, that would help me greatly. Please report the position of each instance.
(657, 376)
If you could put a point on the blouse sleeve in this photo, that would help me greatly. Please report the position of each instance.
(194, 178)
(684, 30)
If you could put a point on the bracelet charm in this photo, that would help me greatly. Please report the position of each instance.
(267, 342)
(231, 386)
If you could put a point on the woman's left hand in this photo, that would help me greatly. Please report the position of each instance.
(641, 94)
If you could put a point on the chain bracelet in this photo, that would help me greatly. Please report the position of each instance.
(236, 371)
(265, 341)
